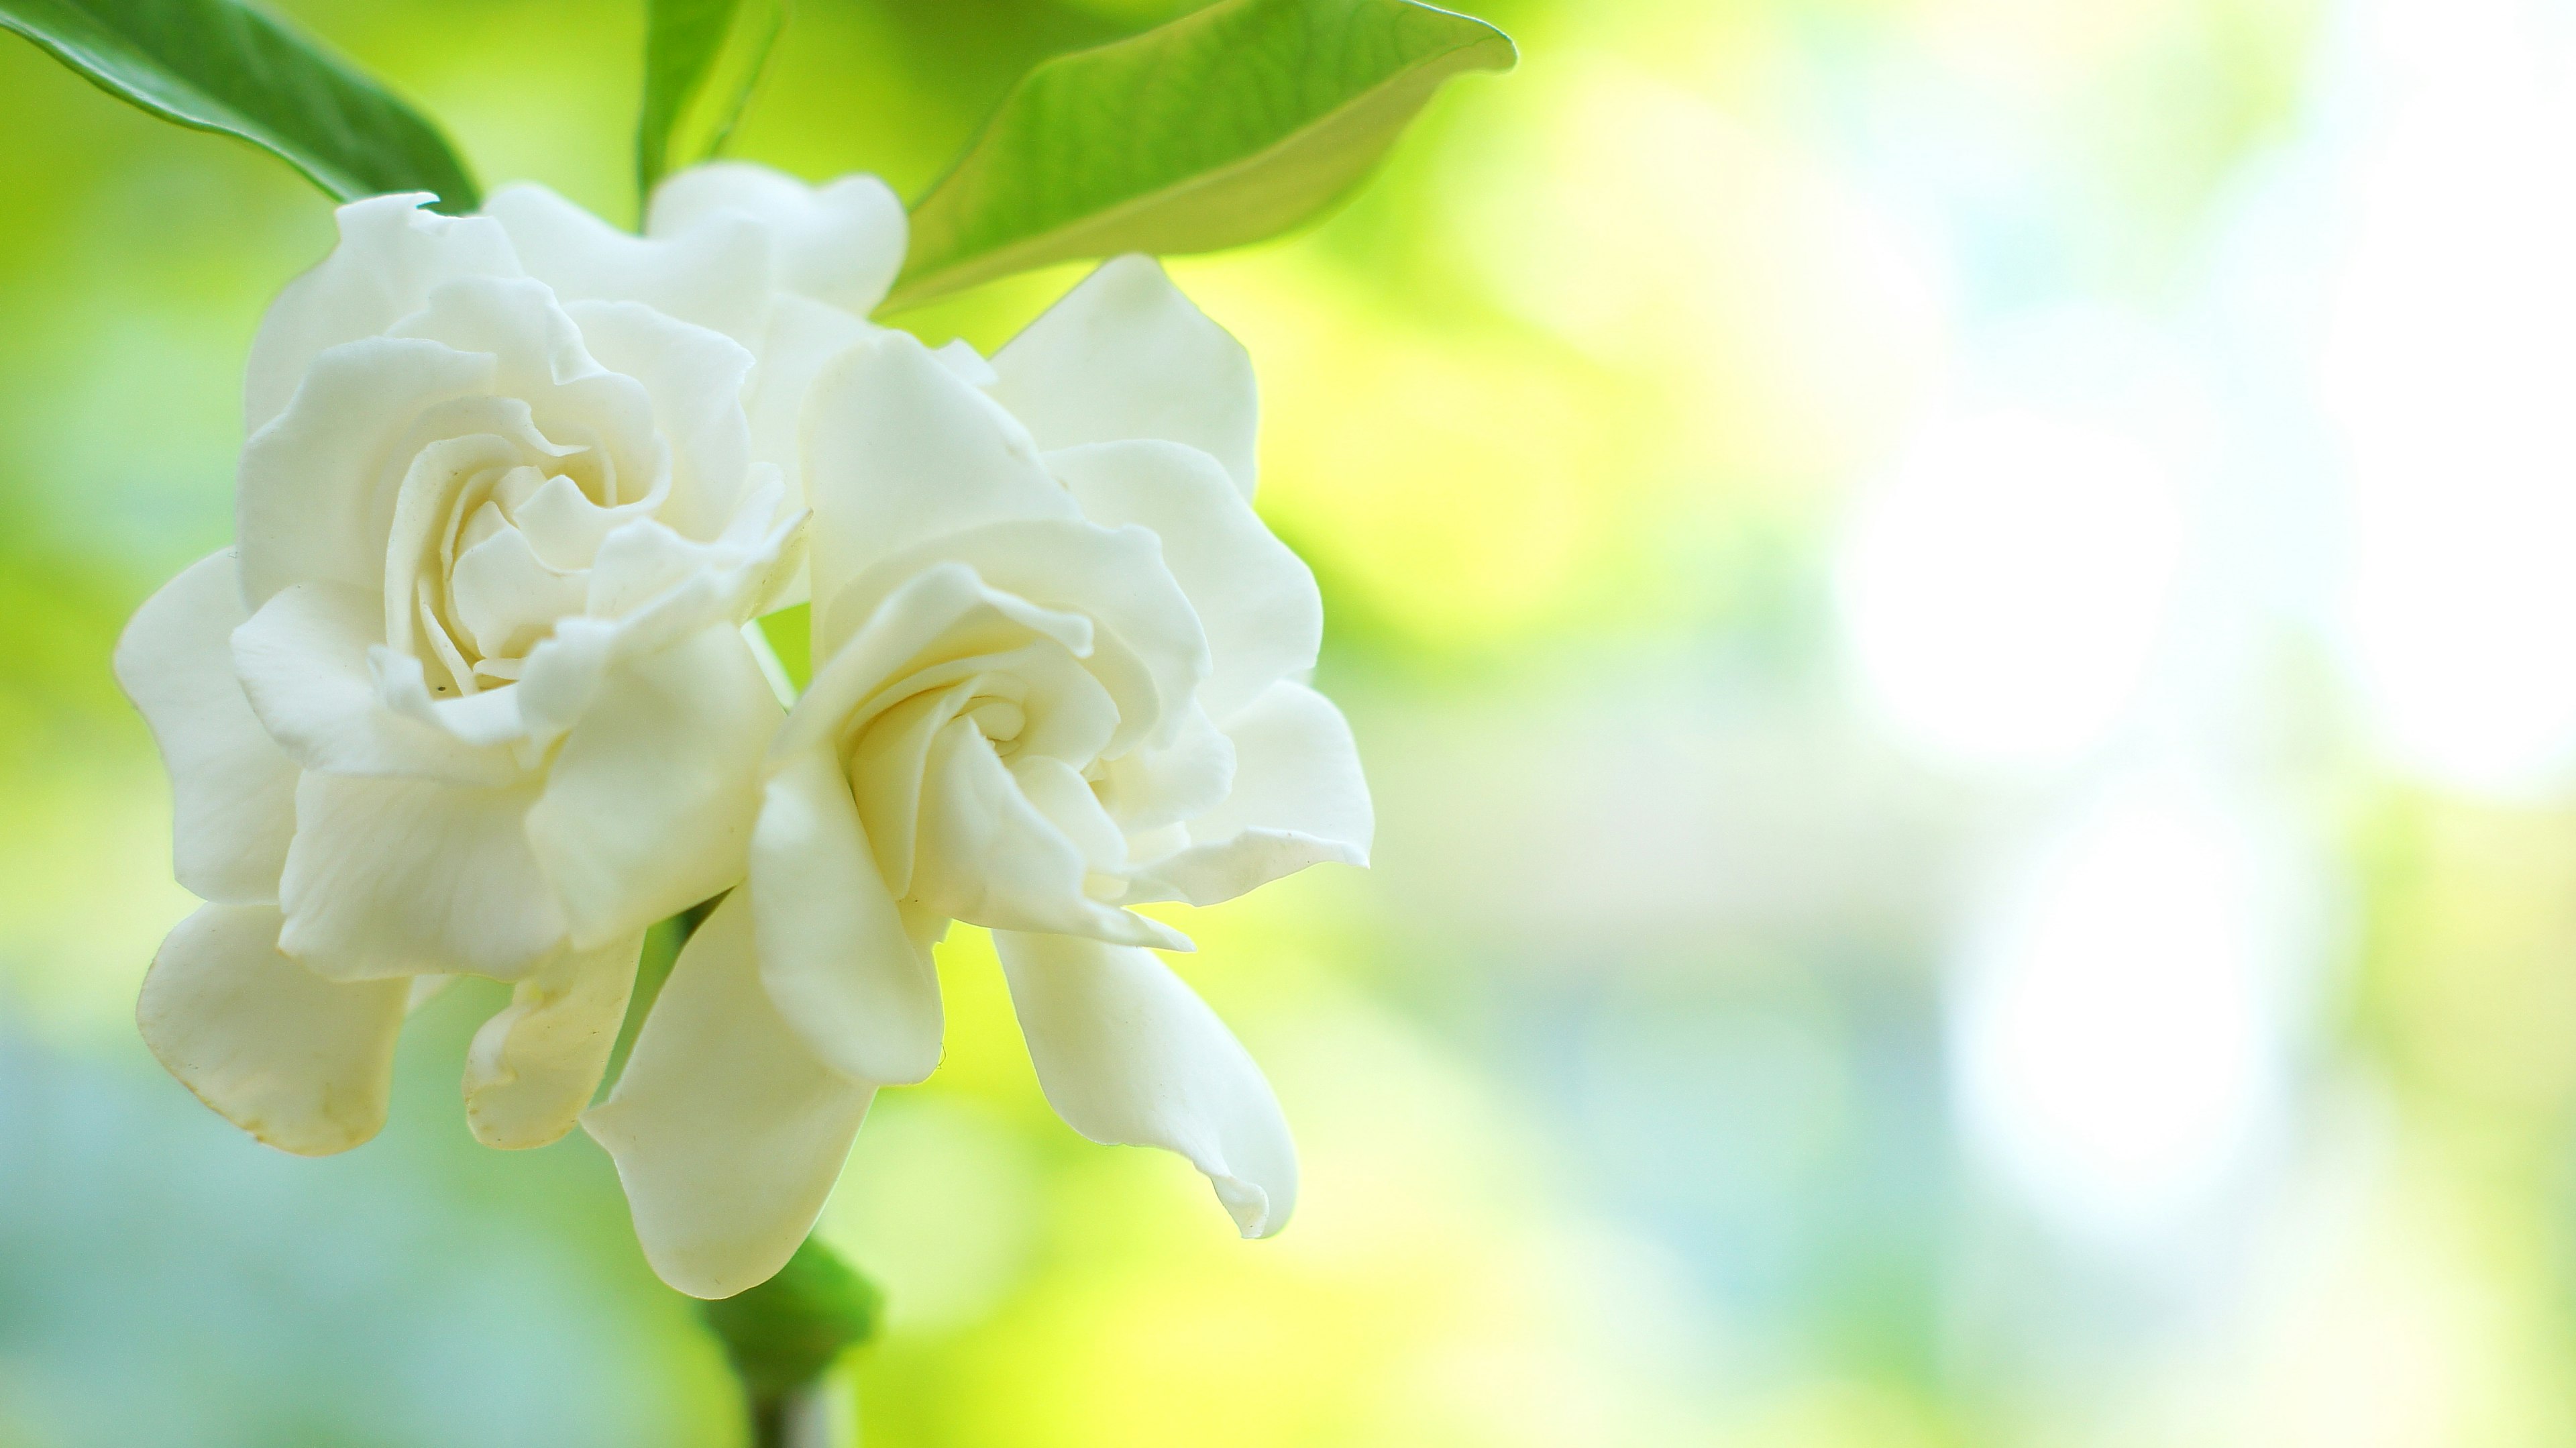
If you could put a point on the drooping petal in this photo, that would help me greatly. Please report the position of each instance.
(302, 1063)
(390, 254)
(1298, 799)
(316, 487)
(900, 451)
(1125, 355)
(232, 789)
(649, 806)
(841, 242)
(393, 877)
(727, 1132)
(1256, 599)
(1129, 1055)
(715, 276)
(534, 1064)
(845, 968)
(309, 665)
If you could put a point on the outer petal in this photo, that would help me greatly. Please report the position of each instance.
(302, 1063)
(231, 788)
(649, 807)
(714, 276)
(836, 953)
(317, 484)
(1298, 799)
(391, 254)
(841, 242)
(1257, 600)
(901, 451)
(1125, 355)
(533, 1066)
(402, 877)
(1131, 1056)
(726, 1130)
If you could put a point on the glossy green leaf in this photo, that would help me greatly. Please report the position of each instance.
(701, 59)
(221, 66)
(1229, 125)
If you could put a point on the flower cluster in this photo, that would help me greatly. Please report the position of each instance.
(477, 692)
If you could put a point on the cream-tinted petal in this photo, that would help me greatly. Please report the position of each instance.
(989, 856)
(835, 952)
(649, 806)
(1125, 355)
(395, 877)
(315, 491)
(534, 1065)
(695, 378)
(1257, 600)
(727, 1131)
(306, 665)
(232, 790)
(1129, 1055)
(302, 1063)
(1147, 650)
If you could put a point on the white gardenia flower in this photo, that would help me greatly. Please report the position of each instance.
(470, 694)
(1059, 673)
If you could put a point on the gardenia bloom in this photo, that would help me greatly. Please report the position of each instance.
(1059, 673)
(471, 695)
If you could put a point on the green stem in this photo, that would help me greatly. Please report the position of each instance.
(784, 1335)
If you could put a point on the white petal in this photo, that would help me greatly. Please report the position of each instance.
(695, 378)
(1256, 599)
(1131, 1056)
(944, 604)
(317, 484)
(302, 1063)
(403, 877)
(900, 451)
(649, 807)
(841, 242)
(391, 253)
(804, 337)
(1299, 799)
(727, 1132)
(534, 1064)
(835, 950)
(1125, 355)
(305, 663)
(989, 856)
(1152, 788)
(232, 789)
(1148, 651)
(715, 276)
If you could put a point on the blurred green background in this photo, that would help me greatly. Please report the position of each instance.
(1961, 618)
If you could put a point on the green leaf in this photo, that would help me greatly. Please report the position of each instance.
(782, 1334)
(701, 59)
(221, 66)
(1229, 125)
